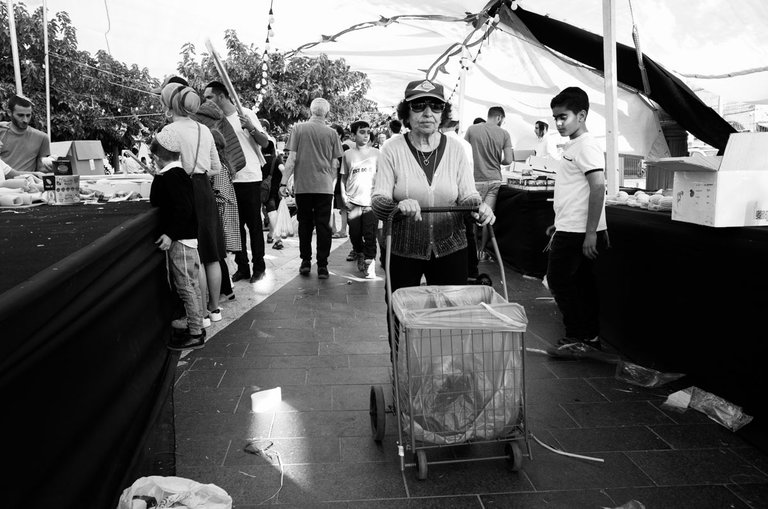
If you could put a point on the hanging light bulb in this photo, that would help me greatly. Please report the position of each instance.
(271, 17)
(258, 85)
(270, 32)
(264, 66)
(267, 46)
(513, 6)
(263, 81)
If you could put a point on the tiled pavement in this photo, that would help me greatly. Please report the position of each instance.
(324, 343)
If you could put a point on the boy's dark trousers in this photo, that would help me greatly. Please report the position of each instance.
(362, 230)
(572, 279)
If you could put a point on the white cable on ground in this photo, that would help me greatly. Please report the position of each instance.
(563, 453)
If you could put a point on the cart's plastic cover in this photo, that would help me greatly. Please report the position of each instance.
(460, 363)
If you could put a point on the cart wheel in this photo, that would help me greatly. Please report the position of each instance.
(514, 455)
(484, 279)
(421, 464)
(378, 413)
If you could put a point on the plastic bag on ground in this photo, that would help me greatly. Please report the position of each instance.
(159, 491)
(716, 408)
(644, 377)
(283, 224)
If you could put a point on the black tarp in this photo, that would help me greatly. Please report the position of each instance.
(84, 370)
(674, 96)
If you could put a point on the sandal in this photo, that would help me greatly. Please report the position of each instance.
(269, 238)
(278, 244)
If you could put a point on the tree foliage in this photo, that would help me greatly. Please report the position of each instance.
(92, 97)
(291, 83)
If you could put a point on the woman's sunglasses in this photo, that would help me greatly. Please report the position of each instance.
(419, 106)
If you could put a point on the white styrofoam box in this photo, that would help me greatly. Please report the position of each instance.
(118, 183)
(735, 194)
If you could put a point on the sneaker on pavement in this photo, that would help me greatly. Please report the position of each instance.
(278, 245)
(187, 341)
(237, 276)
(352, 256)
(370, 269)
(215, 315)
(361, 262)
(322, 273)
(305, 269)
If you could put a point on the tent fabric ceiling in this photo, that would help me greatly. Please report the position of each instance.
(679, 101)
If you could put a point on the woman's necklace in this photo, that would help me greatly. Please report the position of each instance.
(424, 156)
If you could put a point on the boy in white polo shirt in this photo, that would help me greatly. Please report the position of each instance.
(580, 231)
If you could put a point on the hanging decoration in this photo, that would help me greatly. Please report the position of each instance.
(261, 85)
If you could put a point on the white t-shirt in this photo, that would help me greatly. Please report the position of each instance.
(546, 147)
(251, 172)
(580, 156)
(4, 170)
(360, 170)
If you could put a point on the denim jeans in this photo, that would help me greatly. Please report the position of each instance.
(572, 279)
(248, 196)
(363, 224)
(185, 271)
(313, 211)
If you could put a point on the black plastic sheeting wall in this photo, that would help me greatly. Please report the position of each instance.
(84, 370)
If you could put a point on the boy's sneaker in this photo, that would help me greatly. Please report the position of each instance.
(352, 256)
(215, 315)
(322, 273)
(187, 341)
(370, 269)
(305, 269)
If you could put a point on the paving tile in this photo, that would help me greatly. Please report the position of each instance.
(364, 449)
(456, 502)
(308, 361)
(239, 425)
(617, 390)
(290, 450)
(480, 477)
(213, 363)
(287, 348)
(265, 378)
(621, 413)
(689, 416)
(340, 320)
(679, 497)
(704, 466)
(548, 416)
(221, 348)
(580, 368)
(549, 471)
(562, 391)
(698, 436)
(370, 360)
(209, 450)
(320, 423)
(357, 397)
(754, 456)
(348, 376)
(362, 332)
(354, 348)
(536, 370)
(295, 398)
(341, 482)
(204, 400)
(629, 438)
(298, 322)
(193, 379)
(245, 484)
(754, 495)
(550, 500)
(290, 335)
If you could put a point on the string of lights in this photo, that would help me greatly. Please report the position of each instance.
(261, 86)
(103, 71)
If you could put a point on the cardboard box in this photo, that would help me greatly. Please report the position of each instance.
(735, 193)
(63, 189)
(86, 156)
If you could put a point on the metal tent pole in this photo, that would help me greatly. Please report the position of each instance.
(47, 71)
(611, 96)
(14, 48)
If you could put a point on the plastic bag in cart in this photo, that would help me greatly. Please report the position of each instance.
(459, 363)
(162, 492)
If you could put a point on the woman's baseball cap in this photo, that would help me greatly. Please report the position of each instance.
(424, 88)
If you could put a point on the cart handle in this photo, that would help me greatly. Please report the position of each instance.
(429, 210)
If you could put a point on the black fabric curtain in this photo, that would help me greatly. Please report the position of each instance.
(668, 91)
(84, 371)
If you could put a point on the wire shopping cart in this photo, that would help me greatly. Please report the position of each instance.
(458, 368)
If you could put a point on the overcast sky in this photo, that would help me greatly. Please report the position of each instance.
(705, 36)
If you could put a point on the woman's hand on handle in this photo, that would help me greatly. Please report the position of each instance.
(484, 215)
(410, 208)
